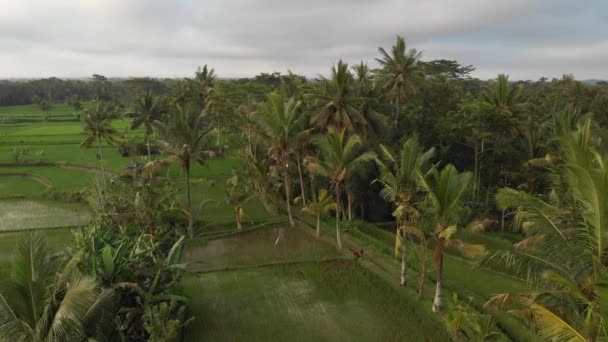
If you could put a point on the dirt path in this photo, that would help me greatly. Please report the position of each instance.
(86, 168)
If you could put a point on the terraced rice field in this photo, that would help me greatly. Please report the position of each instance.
(20, 214)
(327, 301)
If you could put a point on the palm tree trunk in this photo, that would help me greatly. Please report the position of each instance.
(338, 206)
(438, 301)
(288, 196)
(349, 198)
(301, 179)
(103, 171)
(148, 145)
(422, 277)
(318, 224)
(237, 216)
(397, 110)
(403, 259)
(476, 172)
(190, 228)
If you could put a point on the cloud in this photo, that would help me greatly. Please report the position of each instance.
(76, 38)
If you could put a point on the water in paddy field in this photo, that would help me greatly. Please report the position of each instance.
(18, 214)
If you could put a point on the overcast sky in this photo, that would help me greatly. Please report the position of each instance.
(76, 38)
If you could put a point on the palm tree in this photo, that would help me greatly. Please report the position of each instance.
(501, 95)
(564, 254)
(320, 204)
(339, 155)
(237, 194)
(444, 196)
(281, 123)
(184, 138)
(399, 182)
(98, 126)
(336, 103)
(399, 70)
(145, 111)
(45, 299)
(204, 80)
(371, 107)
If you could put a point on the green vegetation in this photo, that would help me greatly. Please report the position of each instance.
(193, 211)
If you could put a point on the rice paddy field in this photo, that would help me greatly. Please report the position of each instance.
(241, 286)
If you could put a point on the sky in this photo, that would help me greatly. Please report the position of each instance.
(526, 39)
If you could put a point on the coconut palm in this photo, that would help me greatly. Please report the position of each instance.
(320, 204)
(204, 80)
(237, 193)
(371, 107)
(501, 95)
(565, 252)
(281, 122)
(399, 180)
(339, 154)
(144, 112)
(336, 102)
(98, 127)
(443, 204)
(45, 299)
(399, 71)
(184, 138)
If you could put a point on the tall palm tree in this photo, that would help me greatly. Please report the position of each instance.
(501, 95)
(372, 109)
(336, 102)
(204, 80)
(281, 122)
(565, 254)
(184, 138)
(45, 299)
(318, 205)
(399, 180)
(98, 126)
(339, 154)
(399, 71)
(443, 203)
(144, 112)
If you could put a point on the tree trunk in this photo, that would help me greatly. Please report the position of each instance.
(438, 301)
(318, 224)
(403, 259)
(301, 179)
(288, 196)
(475, 172)
(190, 227)
(397, 111)
(422, 274)
(237, 216)
(349, 198)
(103, 170)
(148, 145)
(338, 206)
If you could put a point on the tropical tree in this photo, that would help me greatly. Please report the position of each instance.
(501, 95)
(399, 180)
(184, 138)
(339, 154)
(336, 104)
(323, 203)
(98, 127)
(281, 123)
(144, 112)
(237, 193)
(443, 204)
(399, 71)
(204, 80)
(46, 299)
(372, 107)
(564, 254)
